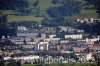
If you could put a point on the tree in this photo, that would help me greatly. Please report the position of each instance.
(12, 63)
(2, 63)
(25, 42)
(13, 4)
(96, 3)
(18, 63)
(68, 8)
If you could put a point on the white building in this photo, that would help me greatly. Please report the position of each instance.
(64, 41)
(92, 40)
(27, 58)
(7, 58)
(23, 28)
(91, 20)
(24, 42)
(43, 35)
(27, 34)
(89, 56)
(20, 40)
(55, 40)
(47, 40)
(77, 36)
(52, 36)
(41, 46)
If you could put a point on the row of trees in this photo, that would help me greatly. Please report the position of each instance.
(10, 63)
(93, 29)
(96, 3)
(20, 7)
(13, 4)
(5, 30)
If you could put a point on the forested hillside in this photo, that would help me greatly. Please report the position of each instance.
(29, 13)
(59, 10)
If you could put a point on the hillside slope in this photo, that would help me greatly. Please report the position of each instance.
(37, 11)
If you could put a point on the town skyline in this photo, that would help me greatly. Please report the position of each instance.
(49, 33)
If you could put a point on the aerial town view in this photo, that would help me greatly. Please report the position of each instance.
(49, 32)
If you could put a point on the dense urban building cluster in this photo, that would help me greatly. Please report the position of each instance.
(71, 45)
(49, 31)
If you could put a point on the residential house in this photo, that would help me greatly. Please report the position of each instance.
(55, 40)
(79, 49)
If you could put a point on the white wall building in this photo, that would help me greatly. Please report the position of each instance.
(34, 35)
(92, 40)
(22, 28)
(47, 40)
(52, 36)
(41, 46)
(78, 36)
(64, 41)
(27, 58)
(55, 40)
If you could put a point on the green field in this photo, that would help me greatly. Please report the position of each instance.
(62, 64)
(84, 14)
(24, 18)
